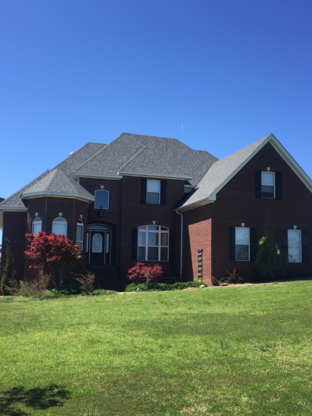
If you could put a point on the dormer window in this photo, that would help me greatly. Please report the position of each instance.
(267, 185)
(101, 199)
(153, 191)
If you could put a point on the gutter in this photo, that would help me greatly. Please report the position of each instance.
(181, 244)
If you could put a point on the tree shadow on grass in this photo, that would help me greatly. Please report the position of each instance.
(14, 400)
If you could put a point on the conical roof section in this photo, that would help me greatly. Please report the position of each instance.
(57, 183)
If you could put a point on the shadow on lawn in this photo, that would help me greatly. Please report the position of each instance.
(37, 398)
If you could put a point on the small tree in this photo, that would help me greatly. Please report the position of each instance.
(56, 254)
(269, 259)
(141, 272)
(9, 268)
(87, 282)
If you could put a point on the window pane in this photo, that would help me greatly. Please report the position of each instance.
(37, 226)
(87, 247)
(79, 233)
(267, 191)
(152, 253)
(59, 226)
(153, 239)
(153, 186)
(241, 253)
(164, 239)
(294, 238)
(153, 227)
(79, 243)
(152, 198)
(267, 178)
(101, 199)
(97, 243)
(107, 243)
(142, 239)
(294, 254)
(142, 228)
(164, 253)
(141, 253)
(241, 235)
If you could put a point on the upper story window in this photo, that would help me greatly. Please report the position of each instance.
(101, 199)
(153, 191)
(294, 246)
(79, 234)
(36, 226)
(267, 185)
(242, 244)
(59, 226)
(153, 243)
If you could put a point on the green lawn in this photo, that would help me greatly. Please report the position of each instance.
(242, 350)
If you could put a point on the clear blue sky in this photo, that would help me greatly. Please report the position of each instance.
(216, 74)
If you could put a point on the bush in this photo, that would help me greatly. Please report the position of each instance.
(141, 272)
(35, 289)
(9, 269)
(232, 277)
(101, 292)
(87, 282)
(154, 286)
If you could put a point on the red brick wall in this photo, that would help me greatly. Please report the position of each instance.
(236, 204)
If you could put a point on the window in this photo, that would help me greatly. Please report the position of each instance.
(36, 226)
(59, 226)
(267, 185)
(294, 246)
(101, 199)
(153, 192)
(97, 243)
(242, 244)
(153, 243)
(79, 234)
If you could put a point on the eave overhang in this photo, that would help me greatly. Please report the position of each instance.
(57, 195)
(77, 175)
(155, 175)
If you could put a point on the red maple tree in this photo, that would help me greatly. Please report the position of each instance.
(56, 254)
(142, 272)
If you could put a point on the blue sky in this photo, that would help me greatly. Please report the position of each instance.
(216, 74)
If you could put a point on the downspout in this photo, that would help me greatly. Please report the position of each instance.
(181, 244)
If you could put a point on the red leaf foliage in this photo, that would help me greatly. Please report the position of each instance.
(56, 254)
(140, 272)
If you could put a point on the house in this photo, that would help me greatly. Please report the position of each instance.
(157, 200)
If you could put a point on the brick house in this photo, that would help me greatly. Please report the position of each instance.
(155, 199)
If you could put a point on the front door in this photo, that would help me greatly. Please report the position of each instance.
(99, 245)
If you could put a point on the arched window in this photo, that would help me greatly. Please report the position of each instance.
(97, 243)
(153, 243)
(36, 226)
(79, 234)
(59, 226)
(101, 199)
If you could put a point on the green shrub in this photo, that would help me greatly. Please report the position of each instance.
(101, 292)
(9, 272)
(154, 286)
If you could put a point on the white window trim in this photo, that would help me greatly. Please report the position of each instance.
(265, 184)
(295, 245)
(159, 231)
(147, 192)
(101, 190)
(80, 224)
(243, 244)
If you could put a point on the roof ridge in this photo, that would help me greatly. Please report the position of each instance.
(54, 173)
(131, 158)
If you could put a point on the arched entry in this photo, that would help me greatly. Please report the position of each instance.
(99, 245)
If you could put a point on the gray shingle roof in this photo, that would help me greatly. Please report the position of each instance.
(58, 183)
(149, 154)
(219, 172)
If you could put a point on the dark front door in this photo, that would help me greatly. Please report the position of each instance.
(97, 248)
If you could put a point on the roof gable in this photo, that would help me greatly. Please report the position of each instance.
(225, 169)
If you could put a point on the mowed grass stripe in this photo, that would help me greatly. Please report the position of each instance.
(224, 351)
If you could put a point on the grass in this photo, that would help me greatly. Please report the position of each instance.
(242, 350)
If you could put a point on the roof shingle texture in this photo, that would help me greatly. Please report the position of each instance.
(220, 171)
